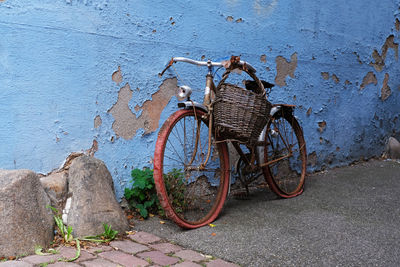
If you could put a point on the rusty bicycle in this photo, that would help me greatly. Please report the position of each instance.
(192, 169)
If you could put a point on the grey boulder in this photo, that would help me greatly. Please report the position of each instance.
(25, 221)
(92, 202)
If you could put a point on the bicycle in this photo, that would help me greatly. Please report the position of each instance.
(191, 160)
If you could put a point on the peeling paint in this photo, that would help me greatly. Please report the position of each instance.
(152, 108)
(263, 58)
(117, 76)
(322, 126)
(380, 58)
(325, 75)
(385, 91)
(97, 121)
(369, 78)
(397, 24)
(126, 123)
(285, 68)
(95, 147)
(335, 78)
(309, 111)
(229, 18)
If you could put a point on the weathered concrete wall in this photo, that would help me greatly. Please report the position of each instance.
(79, 75)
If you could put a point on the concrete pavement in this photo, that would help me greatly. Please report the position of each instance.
(347, 216)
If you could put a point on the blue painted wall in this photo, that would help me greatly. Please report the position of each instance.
(58, 94)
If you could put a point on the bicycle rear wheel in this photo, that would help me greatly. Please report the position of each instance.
(190, 194)
(286, 152)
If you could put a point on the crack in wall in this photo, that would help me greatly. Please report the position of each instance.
(127, 123)
(285, 68)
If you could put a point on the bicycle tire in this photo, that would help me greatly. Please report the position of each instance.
(285, 177)
(190, 197)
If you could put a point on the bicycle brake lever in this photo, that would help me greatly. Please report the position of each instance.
(167, 67)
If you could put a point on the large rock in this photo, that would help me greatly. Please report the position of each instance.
(24, 219)
(92, 199)
(56, 187)
(393, 148)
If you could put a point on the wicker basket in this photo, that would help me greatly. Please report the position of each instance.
(239, 114)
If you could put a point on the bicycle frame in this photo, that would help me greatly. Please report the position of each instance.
(206, 106)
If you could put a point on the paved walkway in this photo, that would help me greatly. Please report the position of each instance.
(139, 249)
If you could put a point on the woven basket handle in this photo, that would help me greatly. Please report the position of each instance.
(234, 64)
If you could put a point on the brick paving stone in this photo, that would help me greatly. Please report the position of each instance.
(187, 264)
(64, 264)
(37, 259)
(69, 253)
(99, 263)
(129, 246)
(166, 247)
(220, 263)
(158, 258)
(144, 238)
(190, 255)
(123, 258)
(97, 249)
(15, 264)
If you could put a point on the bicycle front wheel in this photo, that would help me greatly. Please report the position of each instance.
(285, 154)
(190, 190)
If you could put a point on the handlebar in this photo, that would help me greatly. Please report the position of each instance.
(227, 63)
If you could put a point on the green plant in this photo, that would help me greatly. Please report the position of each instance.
(108, 235)
(142, 195)
(65, 232)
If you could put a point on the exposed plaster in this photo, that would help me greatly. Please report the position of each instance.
(152, 108)
(126, 123)
(325, 75)
(263, 58)
(335, 78)
(380, 58)
(397, 24)
(385, 91)
(369, 78)
(97, 121)
(93, 149)
(117, 76)
(309, 111)
(322, 126)
(285, 68)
